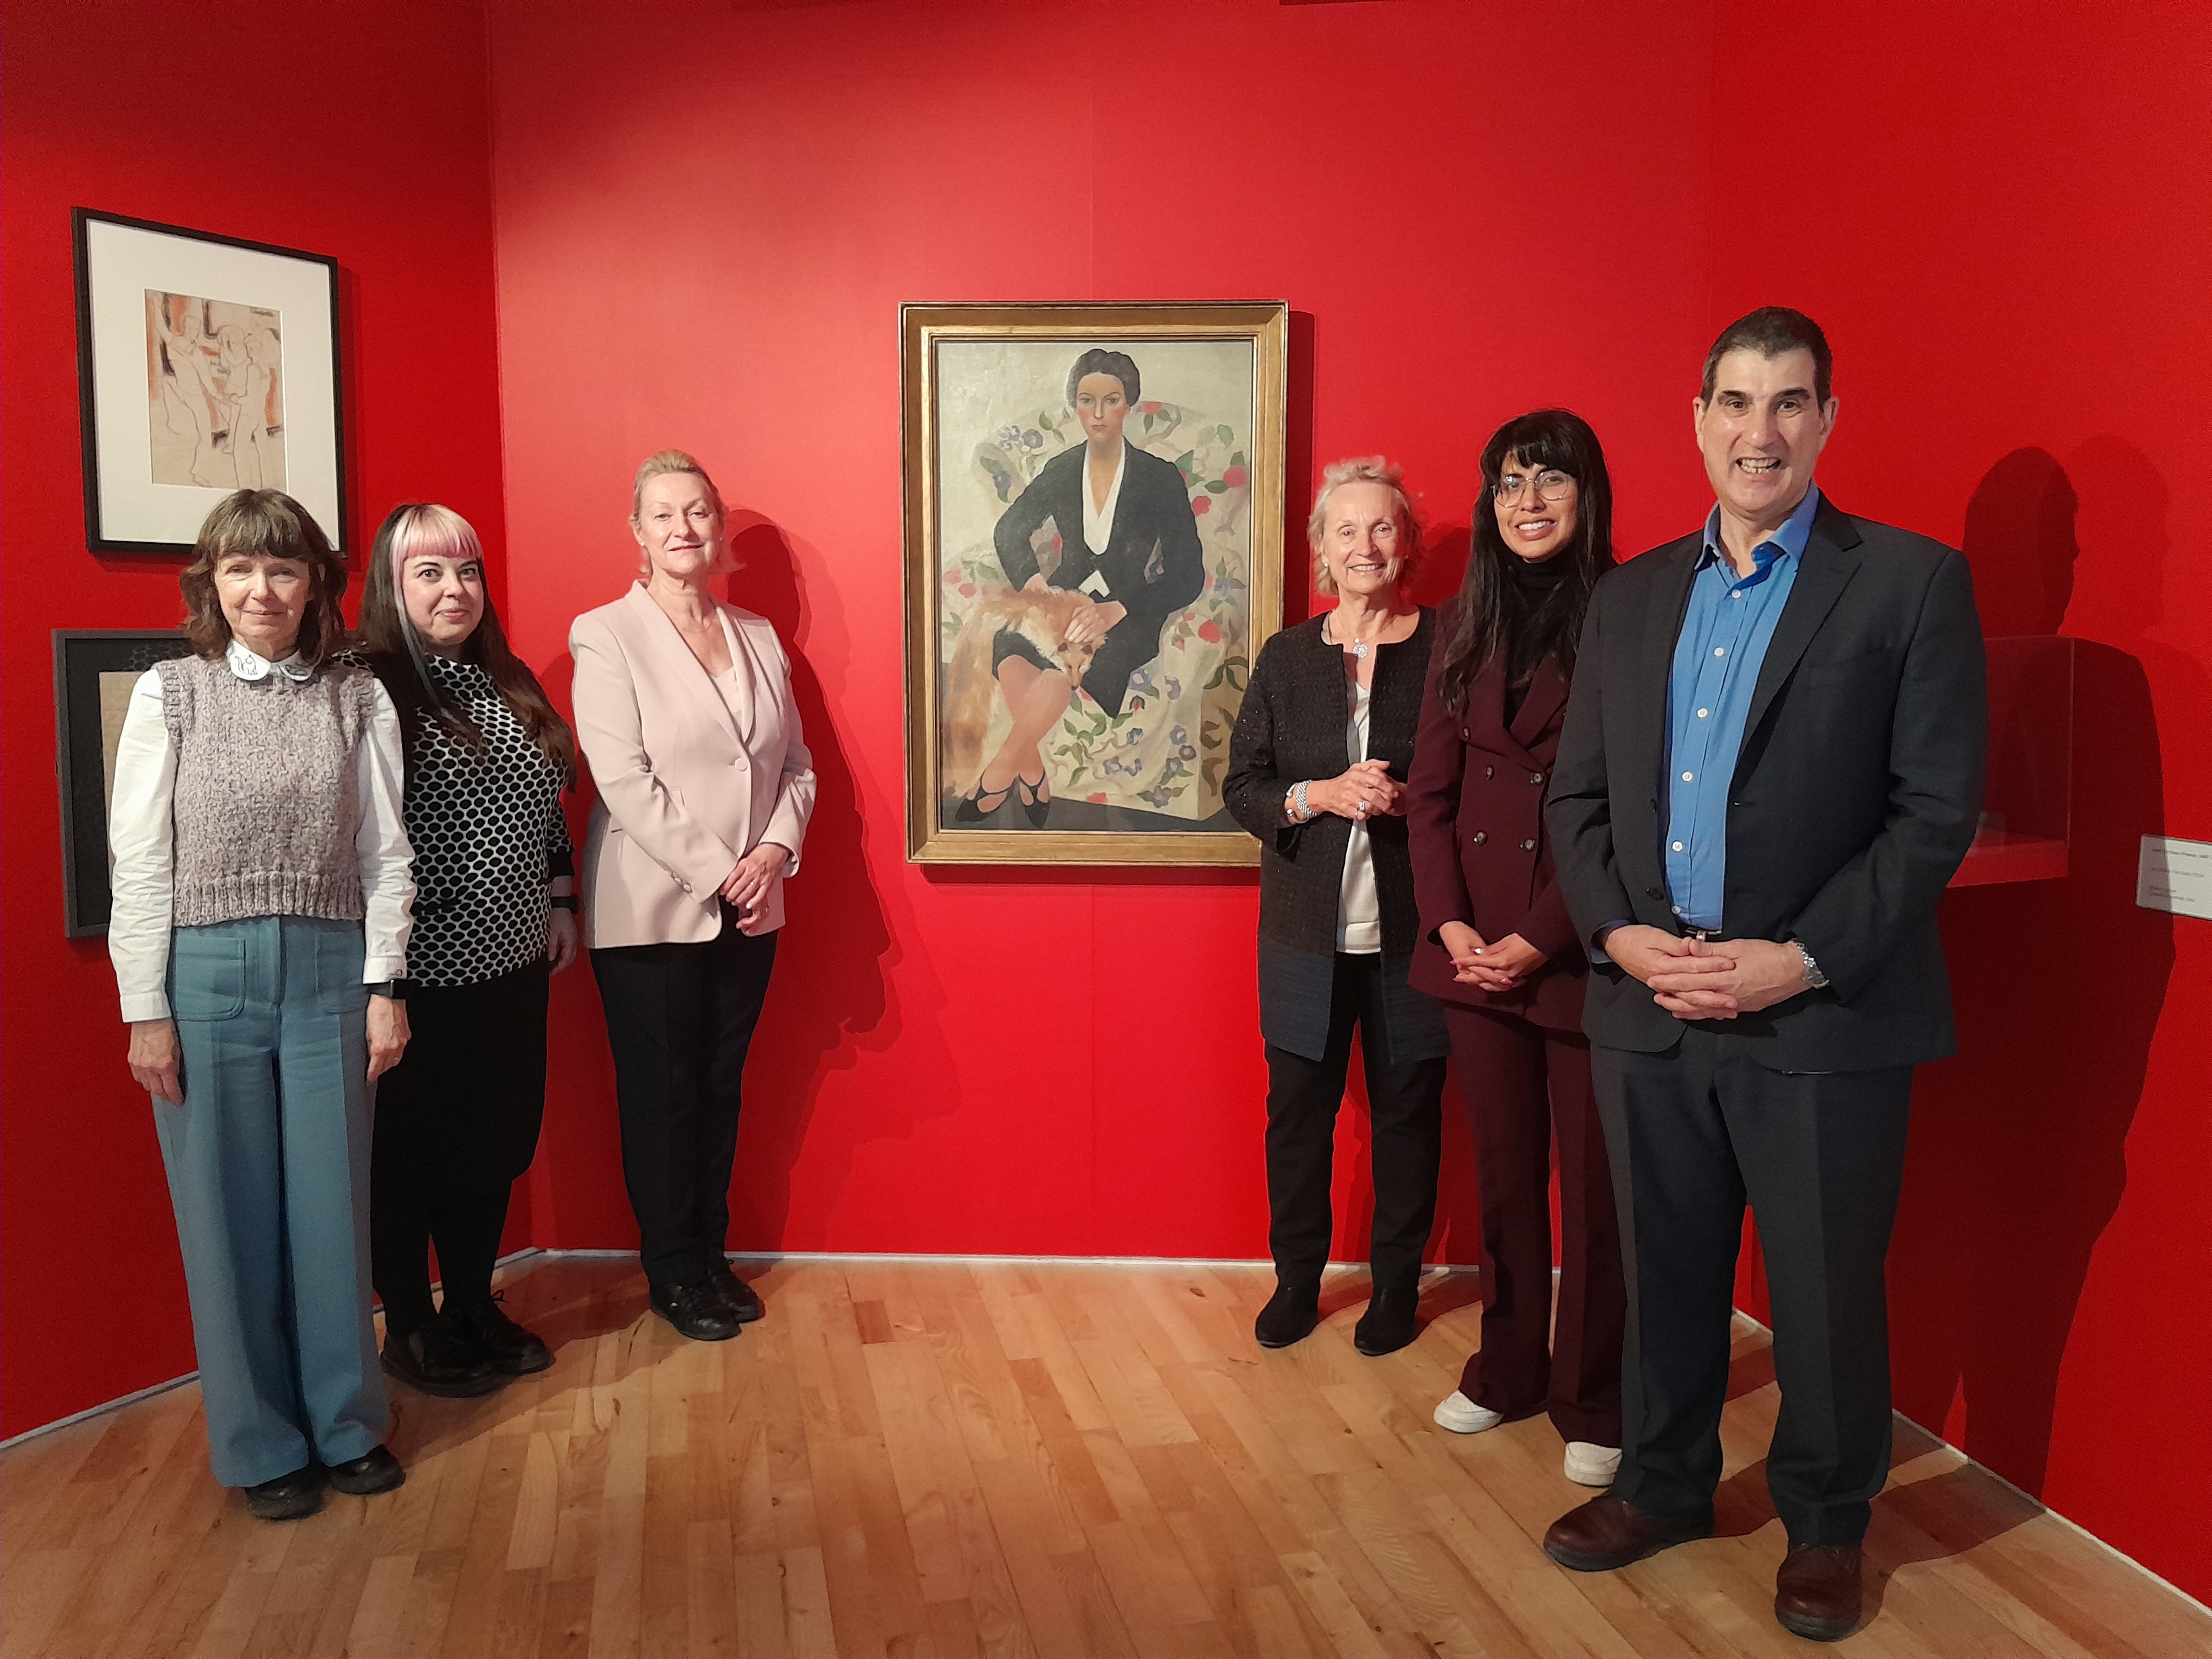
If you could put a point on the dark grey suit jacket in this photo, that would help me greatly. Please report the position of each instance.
(1855, 795)
(1154, 564)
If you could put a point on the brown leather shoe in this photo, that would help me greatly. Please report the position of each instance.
(1817, 1591)
(1610, 1532)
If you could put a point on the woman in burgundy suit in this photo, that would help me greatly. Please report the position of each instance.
(1497, 948)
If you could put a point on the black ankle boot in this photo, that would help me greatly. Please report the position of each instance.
(1389, 1322)
(1290, 1314)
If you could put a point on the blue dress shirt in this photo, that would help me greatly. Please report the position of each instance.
(1725, 632)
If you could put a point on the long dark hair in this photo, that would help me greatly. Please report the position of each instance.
(1499, 613)
(393, 648)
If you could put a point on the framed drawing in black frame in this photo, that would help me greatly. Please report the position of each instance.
(94, 669)
(205, 364)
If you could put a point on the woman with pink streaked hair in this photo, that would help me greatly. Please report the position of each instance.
(495, 917)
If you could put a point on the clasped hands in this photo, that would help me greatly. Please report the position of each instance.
(1488, 967)
(1361, 792)
(753, 881)
(1704, 979)
(1089, 626)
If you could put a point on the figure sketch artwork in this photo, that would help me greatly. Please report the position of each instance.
(214, 386)
(1103, 552)
(205, 364)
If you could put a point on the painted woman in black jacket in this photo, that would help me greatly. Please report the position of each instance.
(1316, 770)
(1128, 538)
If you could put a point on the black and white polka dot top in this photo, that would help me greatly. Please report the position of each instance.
(487, 833)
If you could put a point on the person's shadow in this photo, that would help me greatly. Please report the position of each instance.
(2017, 1161)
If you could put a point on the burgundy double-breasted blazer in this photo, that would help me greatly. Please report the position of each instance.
(1475, 820)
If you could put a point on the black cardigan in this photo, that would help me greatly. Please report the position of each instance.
(1292, 727)
(1154, 566)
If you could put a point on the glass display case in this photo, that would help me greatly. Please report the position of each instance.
(2029, 795)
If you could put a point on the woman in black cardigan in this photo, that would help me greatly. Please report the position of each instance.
(1316, 770)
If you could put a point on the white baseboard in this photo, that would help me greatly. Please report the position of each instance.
(134, 1397)
(934, 1259)
(2022, 1492)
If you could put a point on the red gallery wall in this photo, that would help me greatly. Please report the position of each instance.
(357, 131)
(705, 223)
(1472, 210)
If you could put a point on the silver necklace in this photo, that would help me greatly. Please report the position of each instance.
(1358, 645)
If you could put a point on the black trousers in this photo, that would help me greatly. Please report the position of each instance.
(679, 1020)
(456, 1122)
(1523, 1083)
(1819, 1155)
(1405, 1104)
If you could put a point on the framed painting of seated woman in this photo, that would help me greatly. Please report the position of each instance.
(1094, 554)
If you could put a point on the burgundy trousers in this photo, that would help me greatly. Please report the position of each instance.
(1524, 1084)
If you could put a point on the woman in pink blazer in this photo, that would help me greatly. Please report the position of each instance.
(684, 715)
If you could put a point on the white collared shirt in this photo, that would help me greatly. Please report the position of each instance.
(141, 836)
(1098, 521)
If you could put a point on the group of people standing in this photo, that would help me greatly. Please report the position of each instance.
(1653, 853)
(340, 861)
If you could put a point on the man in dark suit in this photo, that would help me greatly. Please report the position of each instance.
(1772, 766)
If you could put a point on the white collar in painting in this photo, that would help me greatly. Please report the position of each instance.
(250, 665)
(1098, 522)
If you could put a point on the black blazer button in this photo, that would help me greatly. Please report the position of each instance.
(1479, 836)
(1653, 892)
(1527, 846)
(1535, 777)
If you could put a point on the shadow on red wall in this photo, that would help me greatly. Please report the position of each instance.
(2018, 1154)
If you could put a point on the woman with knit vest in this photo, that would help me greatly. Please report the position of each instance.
(262, 906)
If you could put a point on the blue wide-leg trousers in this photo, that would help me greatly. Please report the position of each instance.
(268, 1161)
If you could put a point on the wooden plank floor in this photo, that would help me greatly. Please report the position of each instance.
(1002, 1459)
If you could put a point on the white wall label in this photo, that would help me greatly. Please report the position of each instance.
(2176, 876)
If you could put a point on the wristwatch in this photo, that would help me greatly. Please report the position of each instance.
(1814, 978)
(394, 988)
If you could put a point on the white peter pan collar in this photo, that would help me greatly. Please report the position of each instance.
(251, 665)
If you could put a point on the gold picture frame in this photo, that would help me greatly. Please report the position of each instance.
(1133, 762)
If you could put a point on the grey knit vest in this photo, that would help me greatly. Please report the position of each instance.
(267, 801)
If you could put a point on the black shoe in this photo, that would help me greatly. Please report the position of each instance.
(737, 1296)
(1390, 1323)
(511, 1350)
(374, 1471)
(696, 1310)
(433, 1360)
(971, 809)
(1290, 1315)
(1037, 805)
(291, 1497)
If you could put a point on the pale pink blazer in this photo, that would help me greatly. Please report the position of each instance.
(685, 790)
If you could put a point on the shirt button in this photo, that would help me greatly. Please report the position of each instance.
(1737, 594)
(1527, 846)
(1702, 713)
(1678, 846)
(1535, 777)
(1479, 836)
(1689, 777)
(741, 763)
(1719, 651)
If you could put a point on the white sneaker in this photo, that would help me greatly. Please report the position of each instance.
(1590, 1465)
(1460, 1415)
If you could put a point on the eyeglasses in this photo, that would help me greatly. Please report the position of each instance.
(1551, 485)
